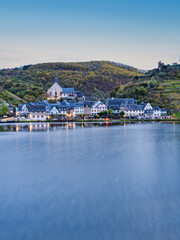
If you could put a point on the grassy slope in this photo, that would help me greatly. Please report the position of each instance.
(164, 88)
(12, 99)
(96, 79)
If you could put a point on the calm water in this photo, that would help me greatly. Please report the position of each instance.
(90, 182)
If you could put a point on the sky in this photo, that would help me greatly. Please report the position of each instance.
(138, 33)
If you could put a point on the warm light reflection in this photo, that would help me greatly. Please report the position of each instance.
(30, 127)
(17, 128)
(48, 126)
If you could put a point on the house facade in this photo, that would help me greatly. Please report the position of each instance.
(68, 93)
(36, 112)
(118, 104)
(88, 109)
(22, 110)
(98, 107)
(79, 108)
(143, 111)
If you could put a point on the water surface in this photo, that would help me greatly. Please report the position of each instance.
(90, 181)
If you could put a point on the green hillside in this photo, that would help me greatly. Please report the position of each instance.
(95, 79)
(163, 88)
(12, 99)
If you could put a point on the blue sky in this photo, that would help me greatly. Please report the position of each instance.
(138, 33)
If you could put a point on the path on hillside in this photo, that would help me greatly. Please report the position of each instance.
(3, 100)
(18, 98)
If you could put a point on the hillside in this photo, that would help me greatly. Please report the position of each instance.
(163, 88)
(12, 99)
(95, 79)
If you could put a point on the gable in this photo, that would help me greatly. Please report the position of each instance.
(55, 87)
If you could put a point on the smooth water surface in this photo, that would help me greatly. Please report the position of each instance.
(90, 181)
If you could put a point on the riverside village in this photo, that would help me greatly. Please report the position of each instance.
(69, 104)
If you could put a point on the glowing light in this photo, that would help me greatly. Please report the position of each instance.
(30, 127)
(17, 128)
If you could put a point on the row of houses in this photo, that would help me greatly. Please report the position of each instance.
(72, 109)
(132, 110)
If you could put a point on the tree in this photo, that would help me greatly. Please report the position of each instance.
(4, 109)
(112, 94)
(110, 111)
(122, 114)
(103, 113)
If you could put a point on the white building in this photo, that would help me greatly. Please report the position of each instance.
(58, 110)
(54, 111)
(98, 107)
(22, 110)
(68, 93)
(55, 91)
(143, 111)
(134, 111)
(36, 112)
(79, 108)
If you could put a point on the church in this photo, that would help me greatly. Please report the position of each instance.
(55, 92)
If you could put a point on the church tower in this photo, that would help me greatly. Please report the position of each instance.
(56, 78)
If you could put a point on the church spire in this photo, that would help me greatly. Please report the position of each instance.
(56, 78)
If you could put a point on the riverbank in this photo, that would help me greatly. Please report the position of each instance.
(96, 121)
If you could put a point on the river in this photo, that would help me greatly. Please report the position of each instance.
(82, 181)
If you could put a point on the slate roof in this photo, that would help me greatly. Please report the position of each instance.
(79, 94)
(44, 102)
(79, 104)
(65, 103)
(36, 107)
(134, 107)
(72, 103)
(68, 90)
(88, 103)
(62, 108)
(120, 101)
(20, 107)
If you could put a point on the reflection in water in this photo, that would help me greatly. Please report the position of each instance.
(30, 127)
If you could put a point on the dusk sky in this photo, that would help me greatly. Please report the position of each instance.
(137, 33)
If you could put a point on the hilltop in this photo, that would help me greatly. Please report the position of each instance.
(159, 87)
(95, 79)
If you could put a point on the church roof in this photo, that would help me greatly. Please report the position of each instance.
(55, 85)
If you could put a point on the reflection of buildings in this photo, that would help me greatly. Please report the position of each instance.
(38, 127)
(59, 126)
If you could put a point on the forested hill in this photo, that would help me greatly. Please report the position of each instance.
(95, 79)
(160, 88)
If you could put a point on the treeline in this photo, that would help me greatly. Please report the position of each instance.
(95, 79)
